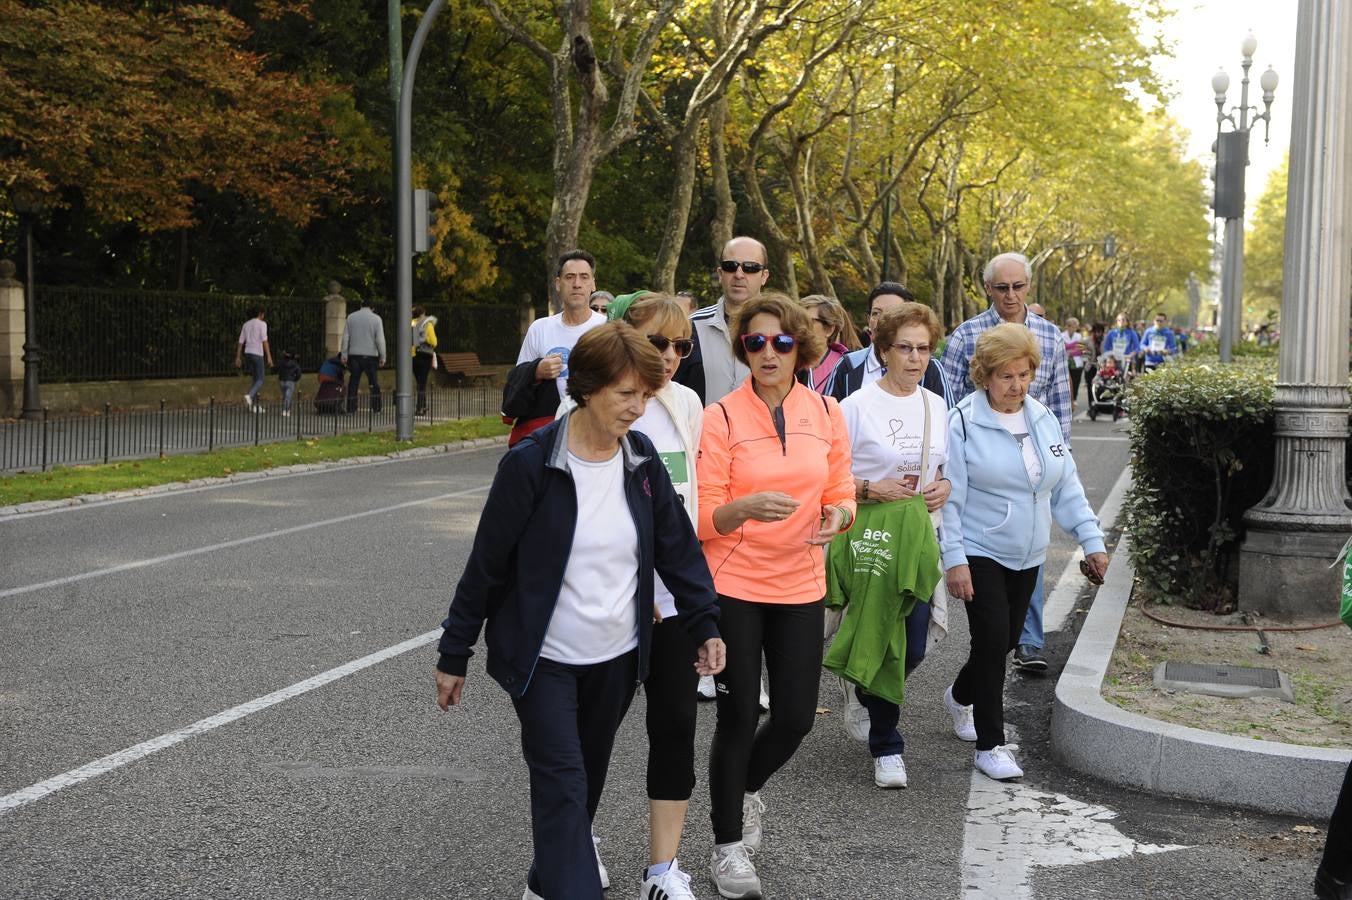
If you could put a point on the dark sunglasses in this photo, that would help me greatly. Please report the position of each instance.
(598, 309)
(683, 345)
(783, 344)
(750, 268)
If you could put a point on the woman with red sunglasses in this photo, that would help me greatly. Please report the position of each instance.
(774, 488)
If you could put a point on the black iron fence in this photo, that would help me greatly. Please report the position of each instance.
(39, 444)
(97, 335)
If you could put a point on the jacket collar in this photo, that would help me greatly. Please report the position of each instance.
(983, 414)
(557, 452)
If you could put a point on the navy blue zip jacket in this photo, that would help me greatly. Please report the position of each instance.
(515, 571)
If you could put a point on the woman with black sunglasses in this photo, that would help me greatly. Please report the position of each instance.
(774, 488)
(671, 420)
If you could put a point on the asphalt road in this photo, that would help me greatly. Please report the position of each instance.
(130, 625)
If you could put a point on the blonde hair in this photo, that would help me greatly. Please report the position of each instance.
(659, 314)
(1000, 346)
(899, 317)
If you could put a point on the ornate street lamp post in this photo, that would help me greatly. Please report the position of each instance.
(1295, 532)
(1232, 157)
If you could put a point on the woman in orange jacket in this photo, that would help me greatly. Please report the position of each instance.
(774, 488)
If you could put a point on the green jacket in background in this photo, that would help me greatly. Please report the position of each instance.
(886, 563)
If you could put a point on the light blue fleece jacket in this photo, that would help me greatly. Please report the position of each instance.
(994, 510)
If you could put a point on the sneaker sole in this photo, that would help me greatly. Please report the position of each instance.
(1031, 668)
(749, 894)
(889, 787)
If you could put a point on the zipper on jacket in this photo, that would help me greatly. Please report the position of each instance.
(777, 414)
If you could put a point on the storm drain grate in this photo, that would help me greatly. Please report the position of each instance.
(1223, 681)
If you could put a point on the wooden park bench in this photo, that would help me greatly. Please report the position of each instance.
(465, 365)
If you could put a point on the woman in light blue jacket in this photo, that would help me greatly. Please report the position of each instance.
(1012, 473)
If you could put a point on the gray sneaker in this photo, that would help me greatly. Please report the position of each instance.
(733, 873)
(752, 807)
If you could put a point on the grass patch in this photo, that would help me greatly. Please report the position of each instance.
(72, 481)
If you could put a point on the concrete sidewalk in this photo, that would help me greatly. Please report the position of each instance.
(1093, 736)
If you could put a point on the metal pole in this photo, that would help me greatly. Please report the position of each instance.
(396, 40)
(403, 344)
(32, 404)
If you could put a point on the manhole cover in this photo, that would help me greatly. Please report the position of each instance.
(1223, 681)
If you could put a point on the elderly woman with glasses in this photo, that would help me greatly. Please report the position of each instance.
(774, 488)
(886, 569)
(835, 326)
(1012, 473)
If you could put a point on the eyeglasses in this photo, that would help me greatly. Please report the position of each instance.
(1005, 287)
(783, 344)
(750, 268)
(598, 308)
(683, 346)
(906, 349)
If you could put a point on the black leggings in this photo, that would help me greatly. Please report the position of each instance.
(743, 757)
(995, 617)
(670, 693)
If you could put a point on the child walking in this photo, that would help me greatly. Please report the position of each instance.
(289, 374)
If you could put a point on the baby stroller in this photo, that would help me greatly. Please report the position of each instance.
(1107, 392)
(329, 397)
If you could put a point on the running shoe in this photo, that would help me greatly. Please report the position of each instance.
(734, 875)
(998, 763)
(856, 716)
(752, 808)
(673, 884)
(964, 726)
(706, 690)
(889, 771)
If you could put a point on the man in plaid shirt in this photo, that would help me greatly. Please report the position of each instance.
(1007, 278)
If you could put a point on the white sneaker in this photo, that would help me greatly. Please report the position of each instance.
(889, 771)
(257, 408)
(673, 884)
(531, 895)
(600, 866)
(286, 413)
(248, 401)
(964, 726)
(752, 807)
(856, 716)
(998, 763)
(734, 875)
(706, 689)
(764, 698)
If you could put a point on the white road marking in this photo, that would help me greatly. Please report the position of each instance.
(1116, 439)
(226, 545)
(1060, 602)
(1011, 828)
(33, 793)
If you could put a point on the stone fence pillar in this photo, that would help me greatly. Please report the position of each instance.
(12, 323)
(335, 318)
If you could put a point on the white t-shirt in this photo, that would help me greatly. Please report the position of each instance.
(1017, 425)
(595, 618)
(657, 425)
(549, 335)
(886, 433)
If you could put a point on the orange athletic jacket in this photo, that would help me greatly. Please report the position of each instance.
(741, 453)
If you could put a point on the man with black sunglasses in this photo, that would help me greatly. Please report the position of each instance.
(1007, 279)
(711, 370)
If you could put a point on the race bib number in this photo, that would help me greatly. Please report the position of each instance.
(1120, 347)
(678, 468)
(1158, 344)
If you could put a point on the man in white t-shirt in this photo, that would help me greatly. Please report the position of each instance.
(549, 340)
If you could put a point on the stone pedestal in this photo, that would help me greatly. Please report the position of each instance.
(12, 324)
(1294, 533)
(335, 318)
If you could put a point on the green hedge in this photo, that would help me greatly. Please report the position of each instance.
(1202, 448)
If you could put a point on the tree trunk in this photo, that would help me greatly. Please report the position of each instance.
(683, 151)
(725, 208)
(807, 233)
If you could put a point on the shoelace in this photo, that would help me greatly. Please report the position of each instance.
(754, 807)
(739, 863)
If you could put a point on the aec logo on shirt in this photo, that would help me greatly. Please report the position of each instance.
(563, 352)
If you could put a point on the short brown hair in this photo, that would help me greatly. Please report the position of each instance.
(606, 354)
(903, 316)
(793, 319)
(1000, 346)
(659, 313)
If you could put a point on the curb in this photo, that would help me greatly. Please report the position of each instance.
(39, 506)
(1092, 736)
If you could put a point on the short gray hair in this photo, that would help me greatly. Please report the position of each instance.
(989, 272)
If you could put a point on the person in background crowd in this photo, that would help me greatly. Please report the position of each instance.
(580, 518)
(861, 367)
(288, 375)
(688, 300)
(540, 378)
(713, 369)
(1094, 349)
(828, 316)
(253, 346)
(898, 442)
(774, 487)
(1006, 279)
(363, 352)
(424, 354)
(1159, 343)
(1075, 355)
(1011, 473)
(600, 300)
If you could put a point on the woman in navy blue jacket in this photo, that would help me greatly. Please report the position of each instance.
(580, 515)
(1012, 473)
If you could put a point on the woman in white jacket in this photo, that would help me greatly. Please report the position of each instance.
(672, 420)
